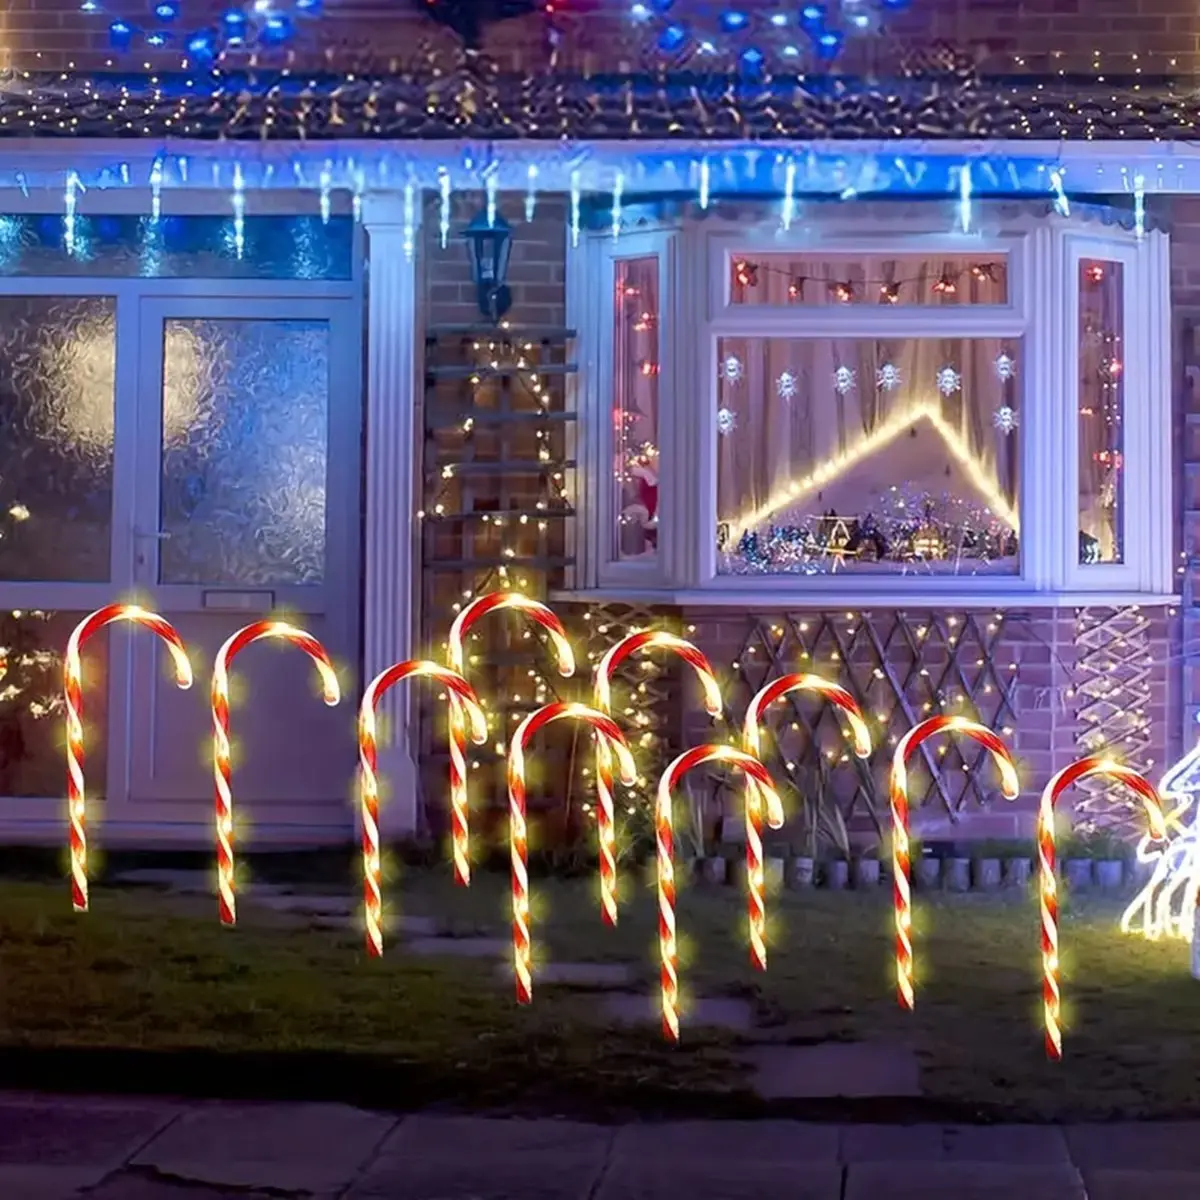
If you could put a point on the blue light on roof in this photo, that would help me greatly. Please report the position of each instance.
(276, 28)
(812, 16)
(733, 20)
(672, 38)
(751, 59)
(202, 46)
(639, 12)
(779, 19)
(120, 35)
(166, 10)
(829, 44)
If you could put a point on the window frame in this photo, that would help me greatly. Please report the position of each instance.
(1041, 312)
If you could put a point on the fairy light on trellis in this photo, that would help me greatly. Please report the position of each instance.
(71, 202)
(238, 201)
(444, 206)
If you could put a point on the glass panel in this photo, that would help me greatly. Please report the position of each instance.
(812, 278)
(245, 442)
(895, 456)
(282, 247)
(32, 734)
(57, 359)
(1101, 411)
(635, 408)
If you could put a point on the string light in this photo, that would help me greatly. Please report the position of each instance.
(325, 183)
(575, 205)
(1139, 206)
(1061, 204)
(410, 219)
(444, 207)
(617, 195)
(531, 194)
(491, 186)
(705, 183)
(964, 197)
(71, 201)
(239, 211)
(156, 182)
(789, 199)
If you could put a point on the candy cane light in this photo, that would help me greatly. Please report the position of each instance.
(222, 768)
(455, 686)
(648, 639)
(605, 728)
(664, 830)
(1095, 764)
(73, 695)
(752, 744)
(898, 794)
(457, 654)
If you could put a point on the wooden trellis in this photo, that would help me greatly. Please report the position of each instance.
(901, 667)
(1113, 668)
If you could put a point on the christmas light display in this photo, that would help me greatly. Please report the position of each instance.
(1047, 884)
(634, 643)
(222, 769)
(467, 702)
(898, 793)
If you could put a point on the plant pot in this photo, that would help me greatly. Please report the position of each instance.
(773, 873)
(1110, 873)
(985, 874)
(836, 874)
(1017, 872)
(801, 873)
(712, 871)
(1078, 873)
(956, 875)
(866, 873)
(928, 871)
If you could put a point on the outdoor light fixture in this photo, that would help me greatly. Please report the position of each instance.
(489, 243)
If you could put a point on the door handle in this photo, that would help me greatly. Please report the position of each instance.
(157, 535)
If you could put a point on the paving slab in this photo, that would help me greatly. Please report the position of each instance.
(962, 1181)
(479, 1159)
(778, 1143)
(600, 976)
(631, 1008)
(1142, 1185)
(464, 947)
(46, 1183)
(84, 1134)
(714, 1180)
(1169, 1145)
(1027, 1144)
(319, 1148)
(847, 1069)
(128, 1185)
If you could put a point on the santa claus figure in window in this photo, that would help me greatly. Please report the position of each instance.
(641, 507)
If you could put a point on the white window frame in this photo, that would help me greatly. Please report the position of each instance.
(1041, 310)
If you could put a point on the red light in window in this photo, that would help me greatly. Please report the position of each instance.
(842, 292)
(745, 274)
(1094, 273)
(945, 286)
(889, 293)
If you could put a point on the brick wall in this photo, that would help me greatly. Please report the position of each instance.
(1006, 34)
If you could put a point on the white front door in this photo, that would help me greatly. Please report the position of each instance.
(246, 502)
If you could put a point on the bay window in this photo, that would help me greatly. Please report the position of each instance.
(868, 404)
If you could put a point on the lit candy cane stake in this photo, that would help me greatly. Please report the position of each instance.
(222, 770)
(649, 639)
(606, 728)
(902, 891)
(664, 831)
(752, 744)
(457, 654)
(73, 693)
(1095, 764)
(457, 686)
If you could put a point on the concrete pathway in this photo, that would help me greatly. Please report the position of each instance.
(73, 1148)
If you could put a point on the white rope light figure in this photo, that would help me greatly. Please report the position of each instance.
(1166, 907)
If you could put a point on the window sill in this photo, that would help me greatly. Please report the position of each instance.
(774, 598)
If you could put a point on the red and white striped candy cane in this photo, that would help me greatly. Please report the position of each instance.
(222, 769)
(752, 744)
(456, 652)
(901, 887)
(73, 694)
(664, 829)
(368, 760)
(606, 728)
(1094, 764)
(648, 639)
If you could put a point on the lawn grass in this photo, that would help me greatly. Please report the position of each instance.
(306, 1013)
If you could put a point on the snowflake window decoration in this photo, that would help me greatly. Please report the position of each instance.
(785, 385)
(726, 421)
(844, 380)
(888, 377)
(732, 369)
(1005, 368)
(949, 381)
(1005, 419)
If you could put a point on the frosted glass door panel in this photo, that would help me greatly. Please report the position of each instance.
(57, 365)
(245, 420)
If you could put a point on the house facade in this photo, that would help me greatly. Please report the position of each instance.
(828, 349)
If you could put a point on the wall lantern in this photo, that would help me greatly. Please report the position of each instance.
(489, 244)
